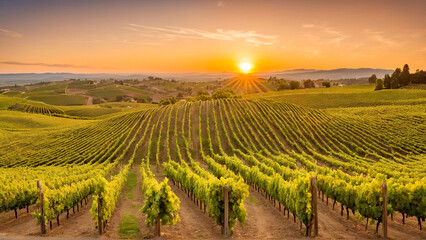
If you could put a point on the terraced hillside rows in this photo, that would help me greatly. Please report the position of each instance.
(265, 146)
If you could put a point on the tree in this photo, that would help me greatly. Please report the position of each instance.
(308, 83)
(202, 93)
(140, 100)
(372, 79)
(379, 84)
(223, 93)
(168, 101)
(419, 77)
(283, 85)
(395, 78)
(294, 84)
(179, 95)
(404, 77)
(394, 82)
(326, 84)
(203, 96)
(387, 81)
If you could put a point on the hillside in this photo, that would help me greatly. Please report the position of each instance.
(87, 92)
(245, 84)
(255, 144)
(332, 74)
(295, 74)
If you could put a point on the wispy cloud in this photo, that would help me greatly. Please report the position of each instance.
(172, 32)
(422, 49)
(381, 37)
(45, 65)
(323, 34)
(8, 33)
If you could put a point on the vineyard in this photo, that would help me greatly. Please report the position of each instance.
(225, 159)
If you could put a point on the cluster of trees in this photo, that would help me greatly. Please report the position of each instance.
(183, 88)
(326, 84)
(399, 78)
(126, 98)
(311, 84)
(168, 101)
(203, 96)
(219, 94)
(123, 98)
(284, 84)
(98, 100)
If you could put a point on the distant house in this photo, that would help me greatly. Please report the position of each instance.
(318, 85)
(4, 90)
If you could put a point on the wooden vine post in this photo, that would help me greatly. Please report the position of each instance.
(42, 222)
(385, 210)
(226, 220)
(314, 204)
(157, 227)
(100, 222)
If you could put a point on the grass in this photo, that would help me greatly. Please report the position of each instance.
(108, 93)
(6, 102)
(91, 112)
(129, 227)
(137, 206)
(60, 100)
(19, 121)
(127, 105)
(253, 200)
(132, 181)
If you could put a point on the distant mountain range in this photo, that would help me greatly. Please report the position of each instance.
(334, 74)
(295, 74)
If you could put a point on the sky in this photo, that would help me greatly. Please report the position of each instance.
(210, 36)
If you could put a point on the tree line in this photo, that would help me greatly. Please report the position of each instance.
(399, 78)
(282, 84)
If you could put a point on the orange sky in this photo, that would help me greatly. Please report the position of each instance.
(209, 36)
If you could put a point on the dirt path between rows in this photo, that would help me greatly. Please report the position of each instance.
(128, 206)
(194, 223)
(265, 222)
(25, 224)
(79, 224)
(333, 225)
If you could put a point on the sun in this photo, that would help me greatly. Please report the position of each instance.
(245, 67)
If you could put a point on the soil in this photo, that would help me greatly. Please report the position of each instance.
(79, 224)
(333, 225)
(88, 100)
(126, 206)
(264, 221)
(194, 223)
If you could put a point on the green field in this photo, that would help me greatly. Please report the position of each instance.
(351, 140)
(348, 96)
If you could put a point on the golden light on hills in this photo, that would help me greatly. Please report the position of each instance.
(246, 84)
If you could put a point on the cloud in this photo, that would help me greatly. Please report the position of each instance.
(45, 65)
(251, 38)
(324, 34)
(220, 4)
(8, 33)
(422, 49)
(380, 36)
